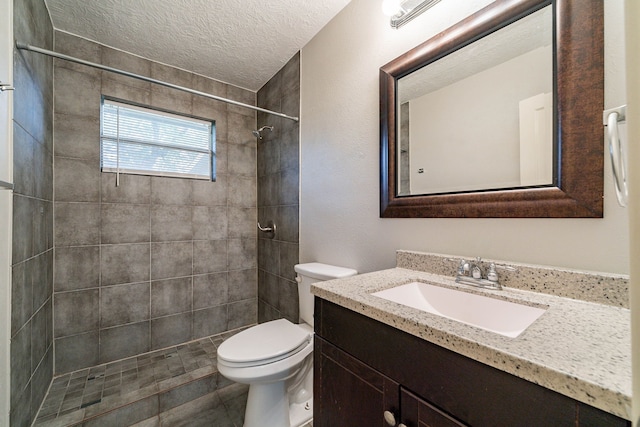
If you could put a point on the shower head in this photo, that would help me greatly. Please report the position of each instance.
(258, 133)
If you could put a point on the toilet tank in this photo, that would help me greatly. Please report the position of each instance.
(315, 272)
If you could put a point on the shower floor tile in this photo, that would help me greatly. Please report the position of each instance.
(75, 397)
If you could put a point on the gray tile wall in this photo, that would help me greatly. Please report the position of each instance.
(278, 195)
(32, 254)
(156, 261)
(405, 173)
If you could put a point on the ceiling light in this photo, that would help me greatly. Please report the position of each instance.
(402, 11)
(391, 7)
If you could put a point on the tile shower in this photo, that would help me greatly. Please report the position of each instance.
(155, 263)
(31, 352)
(278, 195)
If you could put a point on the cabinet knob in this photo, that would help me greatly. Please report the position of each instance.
(390, 418)
(402, 425)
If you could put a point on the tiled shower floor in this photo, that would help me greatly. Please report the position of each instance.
(171, 387)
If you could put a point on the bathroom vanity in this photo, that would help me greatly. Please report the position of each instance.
(380, 363)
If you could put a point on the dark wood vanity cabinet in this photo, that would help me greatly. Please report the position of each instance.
(363, 368)
(353, 394)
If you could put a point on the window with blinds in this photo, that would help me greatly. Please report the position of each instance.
(142, 141)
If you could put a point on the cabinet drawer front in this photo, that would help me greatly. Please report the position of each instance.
(417, 412)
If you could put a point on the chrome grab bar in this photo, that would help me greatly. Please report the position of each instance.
(6, 185)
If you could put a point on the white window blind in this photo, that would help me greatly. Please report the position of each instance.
(142, 141)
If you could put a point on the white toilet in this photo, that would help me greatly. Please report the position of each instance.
(276, 360)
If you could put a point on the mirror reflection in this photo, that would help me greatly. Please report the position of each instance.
(482, 117)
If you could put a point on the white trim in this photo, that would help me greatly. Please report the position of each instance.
(6, 206)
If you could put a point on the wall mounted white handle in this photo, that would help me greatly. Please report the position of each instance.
(610, 118)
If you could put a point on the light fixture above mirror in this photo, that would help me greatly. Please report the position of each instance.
(402, 11)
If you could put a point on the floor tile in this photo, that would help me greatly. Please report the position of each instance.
(97, 390)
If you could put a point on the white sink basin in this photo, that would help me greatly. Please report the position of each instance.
(502, 317)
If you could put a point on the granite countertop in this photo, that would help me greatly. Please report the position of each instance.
(577, 348)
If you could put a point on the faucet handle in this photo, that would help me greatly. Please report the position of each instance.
(492, 274)
(463, 266)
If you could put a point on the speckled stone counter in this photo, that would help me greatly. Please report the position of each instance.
(578, 348)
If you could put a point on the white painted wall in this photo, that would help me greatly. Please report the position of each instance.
(632, 33)
(340, 222)
(6, 203)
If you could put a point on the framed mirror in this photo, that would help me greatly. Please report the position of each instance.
(498, 116)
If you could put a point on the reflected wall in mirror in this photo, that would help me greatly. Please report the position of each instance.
(498, 116)
(490, 103)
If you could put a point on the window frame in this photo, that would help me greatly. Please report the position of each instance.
(160, 112)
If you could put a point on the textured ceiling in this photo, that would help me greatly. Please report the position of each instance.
(241, 42)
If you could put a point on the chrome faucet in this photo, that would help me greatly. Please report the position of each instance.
(472, 273)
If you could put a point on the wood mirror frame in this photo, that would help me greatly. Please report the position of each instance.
(578, 51)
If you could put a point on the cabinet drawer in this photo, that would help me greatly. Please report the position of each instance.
(420, 413)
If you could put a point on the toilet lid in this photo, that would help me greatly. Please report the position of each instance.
(270, 340)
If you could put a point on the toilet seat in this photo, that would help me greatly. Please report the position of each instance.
(263, 344)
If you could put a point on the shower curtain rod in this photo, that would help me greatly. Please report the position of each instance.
(148, 79)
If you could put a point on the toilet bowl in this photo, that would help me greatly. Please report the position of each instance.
(275, 375)
(276, 359)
